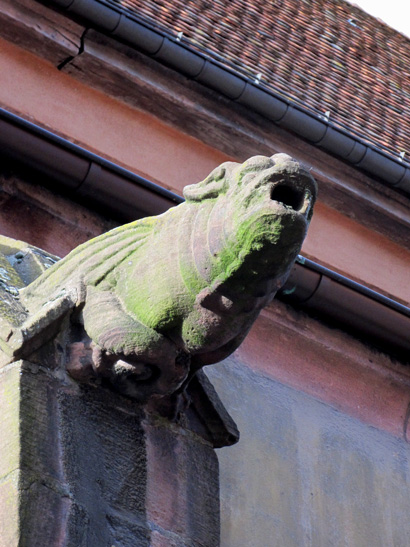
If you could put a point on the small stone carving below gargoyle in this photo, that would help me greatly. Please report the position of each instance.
(159, 298)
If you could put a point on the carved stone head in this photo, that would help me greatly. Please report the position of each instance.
(259, 220)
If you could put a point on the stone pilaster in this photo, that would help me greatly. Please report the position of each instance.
(84, 466)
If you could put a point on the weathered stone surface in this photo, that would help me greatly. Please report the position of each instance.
(177, 512)
(105, 464)
(200, 409)
(141, 308)
(9, 509)
(34, 495)
(20, 264)
(83, 466)
(10, 456)
(159, 298)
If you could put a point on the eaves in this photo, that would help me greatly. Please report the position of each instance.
(100, 61)
(169, 50)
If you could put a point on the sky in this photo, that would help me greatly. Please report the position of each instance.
(393, 12)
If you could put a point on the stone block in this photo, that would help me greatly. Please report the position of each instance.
(9, 509)
(182, 486)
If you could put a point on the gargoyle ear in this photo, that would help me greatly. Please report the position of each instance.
(215, 183)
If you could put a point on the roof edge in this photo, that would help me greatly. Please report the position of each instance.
(313, 127)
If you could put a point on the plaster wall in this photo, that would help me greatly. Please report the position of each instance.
(323, 457)
(305, 354)
(303, 473)
(36, 90)
(346, 246)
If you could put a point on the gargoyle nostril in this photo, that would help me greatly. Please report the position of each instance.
(288, 196)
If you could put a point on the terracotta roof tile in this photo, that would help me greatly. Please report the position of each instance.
(328, 54)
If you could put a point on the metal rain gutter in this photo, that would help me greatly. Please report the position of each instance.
(199, 67)
(380, 319)
(82, 173)
(74, 170)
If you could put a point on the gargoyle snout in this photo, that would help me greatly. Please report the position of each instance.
(299, 197)
(292, 186)
(288, 196)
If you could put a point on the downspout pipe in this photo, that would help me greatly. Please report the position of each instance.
(198, 66)
(79, 173)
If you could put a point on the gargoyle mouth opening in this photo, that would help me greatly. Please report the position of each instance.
(288, 196)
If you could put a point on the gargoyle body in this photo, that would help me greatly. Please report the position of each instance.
(163, 296)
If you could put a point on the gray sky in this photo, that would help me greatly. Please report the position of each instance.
(393, 12)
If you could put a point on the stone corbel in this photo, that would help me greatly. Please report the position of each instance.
(147, 305)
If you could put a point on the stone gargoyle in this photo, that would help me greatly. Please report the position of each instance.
(159, 298)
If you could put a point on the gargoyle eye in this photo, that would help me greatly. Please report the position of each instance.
(288, 196)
